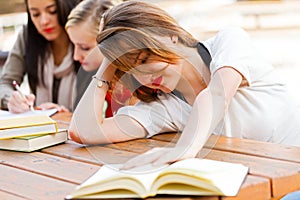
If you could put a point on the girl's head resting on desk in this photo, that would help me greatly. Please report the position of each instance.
(142, 40)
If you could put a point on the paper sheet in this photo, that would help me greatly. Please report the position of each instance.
(5, 114)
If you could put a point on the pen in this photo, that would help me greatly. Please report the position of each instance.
(15, 84)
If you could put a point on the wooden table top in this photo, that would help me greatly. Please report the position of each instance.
(52, 173)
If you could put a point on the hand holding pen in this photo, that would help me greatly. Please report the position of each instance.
(19, 102)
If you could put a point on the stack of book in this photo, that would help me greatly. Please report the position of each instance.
(30, 133)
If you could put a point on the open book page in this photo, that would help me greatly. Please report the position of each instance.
(223, 177)
(110, 175)
(6, 115)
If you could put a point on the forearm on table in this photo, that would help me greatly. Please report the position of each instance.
(208, 110)
(87, 118)
(88, 114)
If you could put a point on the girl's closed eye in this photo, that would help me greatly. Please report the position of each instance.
(144, 60)
(35, 14)
(85, 48)
(142, 57)
(53, 11)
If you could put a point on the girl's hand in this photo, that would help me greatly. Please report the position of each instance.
(49, 105)
(18, 104)
(158, 157)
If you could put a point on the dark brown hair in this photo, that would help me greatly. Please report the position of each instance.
(36, 44)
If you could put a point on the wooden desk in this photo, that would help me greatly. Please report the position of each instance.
(52, 173)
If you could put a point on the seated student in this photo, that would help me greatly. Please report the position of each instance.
(43, 52)
(86, 16)
(237, 94)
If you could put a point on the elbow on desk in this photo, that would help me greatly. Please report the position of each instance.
(73, 135)
(88, 139)
(76, 131)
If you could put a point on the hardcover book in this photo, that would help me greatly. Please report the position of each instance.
(27, 126)
(33, 143)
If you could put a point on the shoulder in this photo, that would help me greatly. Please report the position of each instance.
(23, 33)
(231, 34)
(21, 39)
(232, 31)
(228, 38)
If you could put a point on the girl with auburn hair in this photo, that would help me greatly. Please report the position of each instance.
(43, 52)
(219, 86)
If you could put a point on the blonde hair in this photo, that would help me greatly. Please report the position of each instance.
(131, 27)
(89, 11)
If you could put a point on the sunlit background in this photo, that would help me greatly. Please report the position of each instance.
(274, 26)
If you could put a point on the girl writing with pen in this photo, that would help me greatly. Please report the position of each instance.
(44, 52)
(16, 85)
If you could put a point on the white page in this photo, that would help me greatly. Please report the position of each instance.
(228, 177)
(145, 174)
(6, 115)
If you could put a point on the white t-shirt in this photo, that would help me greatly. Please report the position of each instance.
(260, 110)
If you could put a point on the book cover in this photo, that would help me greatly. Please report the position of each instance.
(27, 126)
(33, 143)
(187, 177)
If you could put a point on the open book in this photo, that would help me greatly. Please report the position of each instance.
(33, 143)
(187, 177)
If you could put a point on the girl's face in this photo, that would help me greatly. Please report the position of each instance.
(156, 74)
(93, 60)
(43, 14)
(84, 40)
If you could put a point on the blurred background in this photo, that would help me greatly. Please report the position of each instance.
(274, 26)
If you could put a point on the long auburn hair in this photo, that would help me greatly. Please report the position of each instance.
(131, 27)
(36, 45)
